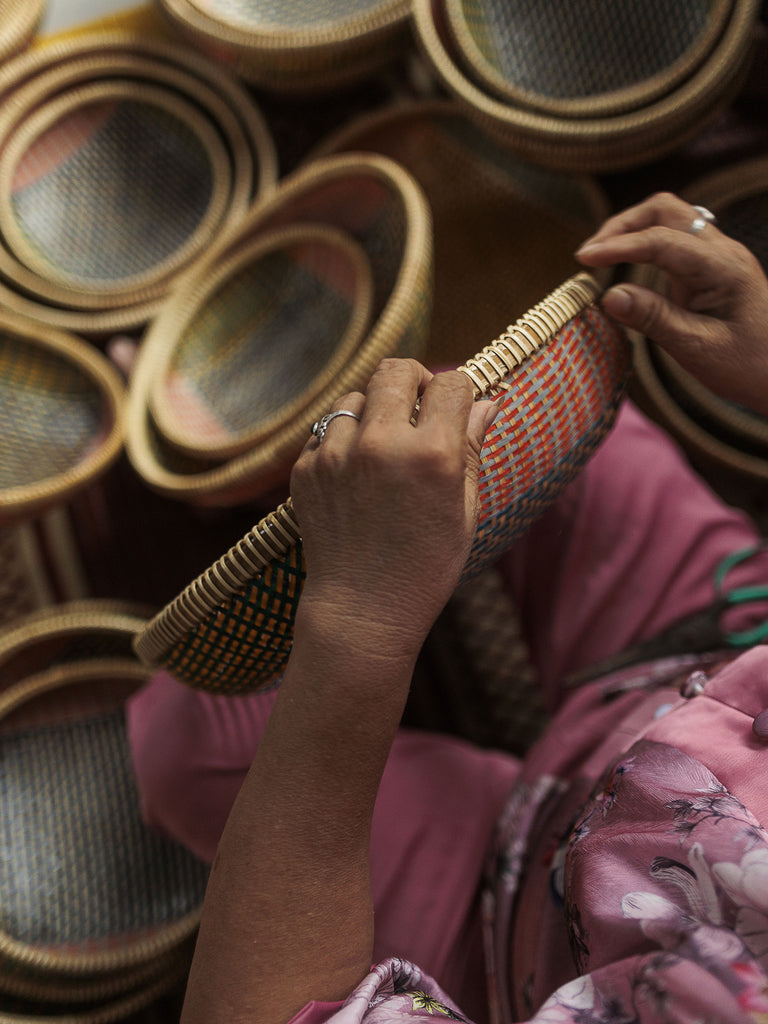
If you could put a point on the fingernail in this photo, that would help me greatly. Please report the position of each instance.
(587, 246)
(618, 302)
(760, 725)
(492, 413)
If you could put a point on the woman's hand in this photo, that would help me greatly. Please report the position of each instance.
(714, 317)
(388, 511)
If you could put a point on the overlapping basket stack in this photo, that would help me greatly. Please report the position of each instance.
(715, 431)
(296, 45)
(589, 84)
(122, 158)
(558, 374)
(97, 912)
(319, 283)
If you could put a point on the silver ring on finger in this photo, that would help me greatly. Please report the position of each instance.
(320, 427)
(702, 218)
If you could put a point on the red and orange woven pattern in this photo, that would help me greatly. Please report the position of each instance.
(558, 372)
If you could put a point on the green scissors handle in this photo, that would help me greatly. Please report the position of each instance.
(741, 595)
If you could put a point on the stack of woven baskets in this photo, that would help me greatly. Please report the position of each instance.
(589, 84)
(98, 913)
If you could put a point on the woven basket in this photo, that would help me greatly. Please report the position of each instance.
(60, 416)
(577, 139)
(64, 633)
(89, 893)
(524, 221)
(296, 46)
(382, 208)
(712, 428)
(93, 129)
(587, 58)
(298, 297)
(19, 21)
(558, 373)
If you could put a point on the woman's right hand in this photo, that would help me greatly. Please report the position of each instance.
(714, 317)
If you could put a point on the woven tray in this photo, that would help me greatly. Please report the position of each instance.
(587, 58)
(60, 416)
(558, 372)
(605, 143)
(101, 98)
(711, 427)
(296, 47)
(382, 208)
(298, 297)
(526, 221)
(87, 888)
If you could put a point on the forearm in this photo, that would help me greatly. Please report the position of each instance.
(288, 916)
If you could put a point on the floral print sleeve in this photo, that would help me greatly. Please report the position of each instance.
(666, 896)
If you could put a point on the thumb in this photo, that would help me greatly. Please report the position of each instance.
(676, 329)
(481, 416)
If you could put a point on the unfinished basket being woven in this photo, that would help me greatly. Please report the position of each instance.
(123, 158)
(299, 46)
(558, 374)
(705, 59)
(527, 221)
(712, 428)
(61, 421)
(267, 332)
(93, 902)
(381, 208)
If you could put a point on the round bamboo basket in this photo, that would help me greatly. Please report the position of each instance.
(607, 142)
(382, 208)
(708, 426)
(61, 415)
(558, 374)
(96, 102)
(298, 297)
(588, 58)
(296, 47)
(525, 221)
(67, 911)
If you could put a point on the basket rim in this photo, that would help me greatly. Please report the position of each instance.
(48, 281)
(20, 24)
(245, 468)
(169, 937)
(605, 104)
(276, 533)
(599, 143)
(683, 425)
(262, 245)
(386, 15)
(25, 498)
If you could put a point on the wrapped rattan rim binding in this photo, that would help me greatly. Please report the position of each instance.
(602, 143)
(171, 935)
(328, 35)
(617, 101)
(188, 307)
(120, 1009)
(46, 279)
(278, 532)
(19, 21)
(92, 54)
(410, 282)
(28, 497)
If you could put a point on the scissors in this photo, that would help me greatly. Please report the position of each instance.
(696, 633)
